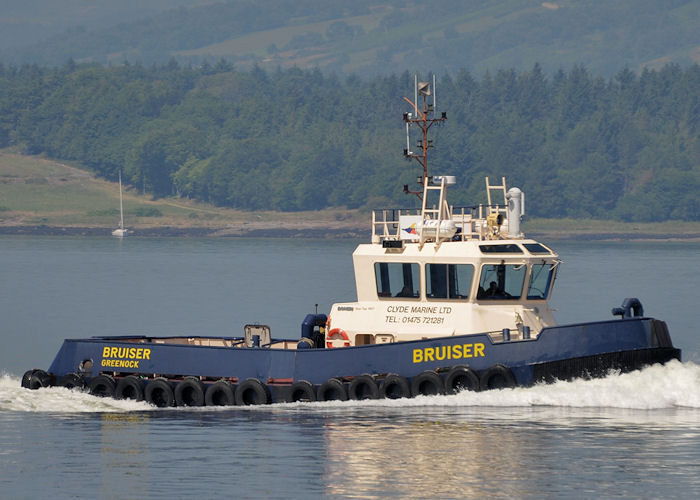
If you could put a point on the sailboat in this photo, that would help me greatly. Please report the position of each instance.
(121, 231)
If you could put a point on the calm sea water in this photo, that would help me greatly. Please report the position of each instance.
(632, 435)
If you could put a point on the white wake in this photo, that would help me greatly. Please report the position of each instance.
(674, 385)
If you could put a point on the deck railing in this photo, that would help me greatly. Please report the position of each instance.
(471, 222)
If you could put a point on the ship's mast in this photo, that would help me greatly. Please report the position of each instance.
(421, 117)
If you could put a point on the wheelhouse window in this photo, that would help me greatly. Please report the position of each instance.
(541, 276)
(397, 279)
(501, 281)
(448, 281)
(500, 248)
(536, 248)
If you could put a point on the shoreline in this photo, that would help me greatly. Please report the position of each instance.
(312, 232)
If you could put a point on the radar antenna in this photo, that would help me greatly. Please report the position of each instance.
(421, 117)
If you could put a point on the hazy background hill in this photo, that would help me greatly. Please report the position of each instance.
(365, 37)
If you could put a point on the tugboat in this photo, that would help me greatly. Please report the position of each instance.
(448, 299)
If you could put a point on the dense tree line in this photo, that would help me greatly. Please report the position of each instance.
(579, 145)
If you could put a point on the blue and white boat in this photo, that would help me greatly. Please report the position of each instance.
(448, 299)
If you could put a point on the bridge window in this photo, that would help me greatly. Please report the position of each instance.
(501, 281)
(448, 281)
(536, 248)
(500, 248)
(540, 281)
(397, 279)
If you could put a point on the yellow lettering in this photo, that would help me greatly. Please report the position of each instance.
(105, 352)
(146, 354)
(132, 352)
(479, 350)
(113, 352)
(417, 355)
(456, 351)
(429, 354)
(440, 353)
(139, 354)
(468, 350)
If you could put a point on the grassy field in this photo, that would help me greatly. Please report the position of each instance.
(35, 191)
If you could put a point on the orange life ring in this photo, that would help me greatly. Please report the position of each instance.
(337, 333)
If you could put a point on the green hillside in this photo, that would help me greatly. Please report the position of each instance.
(292, 140)
(39, 193)
(365, 37)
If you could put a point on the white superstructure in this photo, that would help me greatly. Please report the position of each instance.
(442, 270)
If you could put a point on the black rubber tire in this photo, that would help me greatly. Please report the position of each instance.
(189, 392)
(220, 393)
(394, 387)
(332, 390)
(427, 383)
(40, 379)
(497, 377)
(72, 381)
(27, 377)
(252, 392)
(102, 386)
(363, 387)
(130, 387)
(159, 392)
(461, 378)
(301, 391)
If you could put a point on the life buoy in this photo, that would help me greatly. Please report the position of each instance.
(461, 378)
(337, 334)
(159, 393)
(189, 392)
(252, 392)
(220, 393)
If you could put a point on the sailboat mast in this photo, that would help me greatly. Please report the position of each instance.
(121, 203)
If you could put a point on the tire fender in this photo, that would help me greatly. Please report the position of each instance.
(220, 393)
(103, 386)
(394, 386)
(461, 378)
(427, 383)
(497, 377)
(301, 391)
(363, 387)
(159, 392)
(130, 387)
(189, 392)
(252, 392)
(332, 390)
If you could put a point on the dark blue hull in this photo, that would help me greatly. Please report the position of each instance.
(563, 352)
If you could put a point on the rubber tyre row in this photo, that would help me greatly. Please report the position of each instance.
(192, 392)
